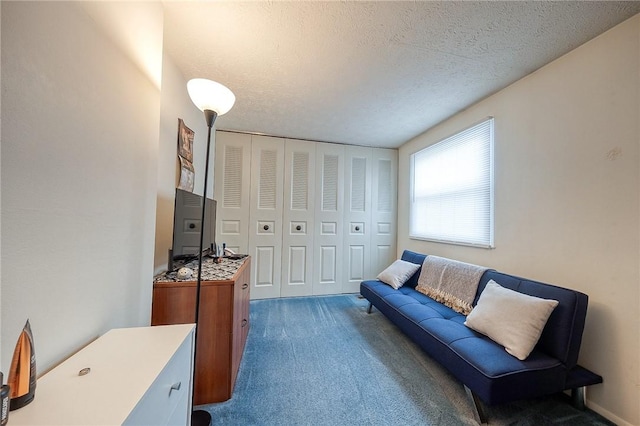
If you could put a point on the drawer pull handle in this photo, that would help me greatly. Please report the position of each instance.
(244, 322)
(245, 286)
(175, 386)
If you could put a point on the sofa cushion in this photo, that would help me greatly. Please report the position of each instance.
(398, 273)
(562, 335)
(418, 259)
(512, 319)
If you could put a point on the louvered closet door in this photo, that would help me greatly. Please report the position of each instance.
(231, 190)
(329, 220)
(357, 232)
(298, 224)
(384, 202)
(265, 217)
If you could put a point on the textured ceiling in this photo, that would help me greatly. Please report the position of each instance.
(371, 73)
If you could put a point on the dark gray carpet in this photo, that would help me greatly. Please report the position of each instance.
(325, 361)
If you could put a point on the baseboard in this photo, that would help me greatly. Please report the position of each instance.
(607, 414)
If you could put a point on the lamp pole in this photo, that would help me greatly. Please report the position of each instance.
(213, 99)
(202, 417)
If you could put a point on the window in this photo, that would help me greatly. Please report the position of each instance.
(452, 189)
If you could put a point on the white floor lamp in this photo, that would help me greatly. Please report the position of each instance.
(213, 99)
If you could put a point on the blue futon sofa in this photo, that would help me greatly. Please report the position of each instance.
(488, 372)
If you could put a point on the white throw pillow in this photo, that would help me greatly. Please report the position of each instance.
(512, 319)
(398, 273)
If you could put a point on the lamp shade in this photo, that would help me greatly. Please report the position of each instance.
(210, 95)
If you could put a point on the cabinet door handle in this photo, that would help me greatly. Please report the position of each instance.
(357, 228)
(245, 286)
(298, 228)
(175, 386)
(266, 227)
(244, 322)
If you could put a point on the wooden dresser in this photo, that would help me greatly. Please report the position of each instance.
(223, 323)
(137, 376)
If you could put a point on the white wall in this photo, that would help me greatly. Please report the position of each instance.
(175, 104)
(567, 198)
(80, 137)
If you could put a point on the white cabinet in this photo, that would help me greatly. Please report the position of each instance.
(316, 217)
(138, 376)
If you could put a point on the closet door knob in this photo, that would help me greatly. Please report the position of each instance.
(266, 227)
(192, 225)
(357, 228)
(298, 228)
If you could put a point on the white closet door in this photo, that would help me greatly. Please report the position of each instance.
(265, 216)
(383, 209)
(329, 219)
(231, 189)
(357, 232)
(298, 225)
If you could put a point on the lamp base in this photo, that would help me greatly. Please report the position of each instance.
(200, 418)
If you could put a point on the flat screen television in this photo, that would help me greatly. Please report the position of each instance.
(186, 226)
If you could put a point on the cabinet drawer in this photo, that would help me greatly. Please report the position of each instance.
(170, 387)
(241, 302)
(181, 415)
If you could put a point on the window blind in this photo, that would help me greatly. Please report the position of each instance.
(452, 188)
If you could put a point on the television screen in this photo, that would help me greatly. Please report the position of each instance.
(186, 224)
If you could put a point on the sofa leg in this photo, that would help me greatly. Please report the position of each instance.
(478, 409)
(578, 398)
(370, 308)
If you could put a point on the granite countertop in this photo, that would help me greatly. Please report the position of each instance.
(211, 271)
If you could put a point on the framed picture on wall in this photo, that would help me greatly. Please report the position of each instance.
(185, 141)
(187, 175)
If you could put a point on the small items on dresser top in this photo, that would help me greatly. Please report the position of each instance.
(218, 268)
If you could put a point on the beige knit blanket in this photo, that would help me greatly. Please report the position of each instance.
(450, 282)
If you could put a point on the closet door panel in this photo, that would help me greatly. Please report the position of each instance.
(265, 215)
(231, 190)
(383, 209)
(327, 263)
(357, 248)
(329, 219)
(356, 257)
(265, 260)
(297, 269)
(299, 206)
(318, 218)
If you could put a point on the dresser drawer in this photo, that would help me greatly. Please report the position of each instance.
(181, 415)
(160, 402)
